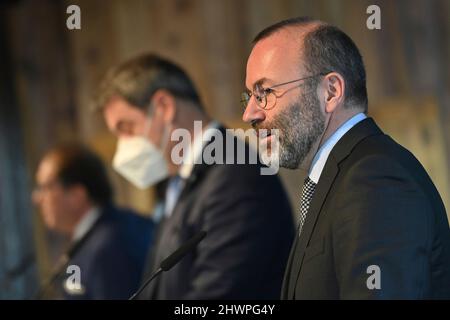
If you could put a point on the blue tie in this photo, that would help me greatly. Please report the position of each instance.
(173, 192)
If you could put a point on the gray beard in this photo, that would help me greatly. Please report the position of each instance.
(300, 125)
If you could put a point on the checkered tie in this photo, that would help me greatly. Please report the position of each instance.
(307, 193)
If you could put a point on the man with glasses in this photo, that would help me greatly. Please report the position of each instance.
(371, 224)
(108, 244)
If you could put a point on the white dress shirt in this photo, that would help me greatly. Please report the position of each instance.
(193, 156)
(322, 154)
(86, 223)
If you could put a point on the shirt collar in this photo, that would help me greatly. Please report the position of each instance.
(86, 223)
(322, 154)
(194, 154)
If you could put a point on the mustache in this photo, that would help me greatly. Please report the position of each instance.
(263, 130)
(258, 125)
(254, 124)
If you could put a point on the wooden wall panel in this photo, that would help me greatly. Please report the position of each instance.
(42, 84)
(421, 133)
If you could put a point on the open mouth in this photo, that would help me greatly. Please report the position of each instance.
(264, 133)
(265, 139)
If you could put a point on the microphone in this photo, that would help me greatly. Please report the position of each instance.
(169, 262)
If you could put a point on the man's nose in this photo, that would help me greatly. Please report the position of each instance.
(253, 114)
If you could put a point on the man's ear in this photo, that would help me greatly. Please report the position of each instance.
(164, 104)
(334, 91)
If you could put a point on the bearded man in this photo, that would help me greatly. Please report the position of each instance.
(371, 223)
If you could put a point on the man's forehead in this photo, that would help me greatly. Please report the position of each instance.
(116, 104)
(47, 168)
(118, 109)
(270, 57)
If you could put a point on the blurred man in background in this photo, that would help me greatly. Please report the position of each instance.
(371, 223)
(246, 215)
(108, 244)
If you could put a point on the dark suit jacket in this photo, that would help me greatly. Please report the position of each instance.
(112, 256)
(374, 205)
(249, 228)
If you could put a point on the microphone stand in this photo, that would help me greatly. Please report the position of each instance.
(154, 275)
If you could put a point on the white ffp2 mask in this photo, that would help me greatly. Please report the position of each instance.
(139, 161)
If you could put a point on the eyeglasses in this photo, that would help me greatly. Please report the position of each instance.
(41, 188)
(266, 98)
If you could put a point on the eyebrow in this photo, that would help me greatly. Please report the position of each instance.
(260, 82)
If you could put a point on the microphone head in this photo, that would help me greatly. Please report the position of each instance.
(175, 257)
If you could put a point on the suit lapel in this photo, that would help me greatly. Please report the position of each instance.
(341, 150)
(198, 172)
(323, 187)
(189, 184)
(287, 272)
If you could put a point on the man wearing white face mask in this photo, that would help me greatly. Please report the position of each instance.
(140, 161)
(143, 101)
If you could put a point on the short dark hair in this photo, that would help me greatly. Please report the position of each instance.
(137, 79)
(77, 164)
(326, 48)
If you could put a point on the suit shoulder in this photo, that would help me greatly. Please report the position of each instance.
(379, 168)
(383, 155)
(121, 229)
(116, 219)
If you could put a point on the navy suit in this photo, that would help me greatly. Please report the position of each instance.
(112, 256)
